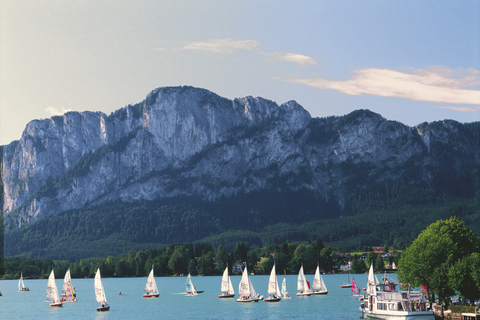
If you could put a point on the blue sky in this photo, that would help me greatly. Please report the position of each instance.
(410, 61)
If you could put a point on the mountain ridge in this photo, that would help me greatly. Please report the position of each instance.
(190, 142)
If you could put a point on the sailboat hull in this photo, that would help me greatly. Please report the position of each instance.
(272, 299)
(56, 304)
(346, 286)
(302, 294)
(103, 308)
(247, 300)
(226, 296)
(24, 289)
(151, 295)
(319, 292)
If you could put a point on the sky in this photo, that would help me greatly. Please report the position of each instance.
(410, 61)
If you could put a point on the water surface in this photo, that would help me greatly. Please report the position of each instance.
(173, 304)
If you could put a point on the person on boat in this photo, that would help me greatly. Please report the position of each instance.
(120, 293)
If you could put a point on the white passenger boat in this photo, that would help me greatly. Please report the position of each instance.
(383, 301)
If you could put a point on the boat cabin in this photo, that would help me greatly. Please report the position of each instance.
(388, 299)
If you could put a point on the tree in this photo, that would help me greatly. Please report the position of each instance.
(221, 257)
(307, 255)
(379, 264)
(266, 264)
(241, 251)
(358, 266)
(178, 262)
(205, 264)
(326, 259)
(460, 277)
(428, 260)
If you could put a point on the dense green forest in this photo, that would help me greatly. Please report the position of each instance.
(200, 259)
(392, 215)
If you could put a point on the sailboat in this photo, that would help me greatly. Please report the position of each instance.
(246, 292)
(226, 287)
(52, 291)
(348, 284)
(190, 289)
(302, 284)
(318, 285)
(274, 293)
(285, 294)
(67, 285)
(21, 285)
(355, 289)
(151, 287)
(100, 293)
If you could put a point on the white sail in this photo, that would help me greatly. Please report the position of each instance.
(151, 285)
(317, 283)
(189, 285)
(302, 281)
(66, 281)
(371, 281)
(52, 291)
(230, 286)
(394, 266)
(99, 291)
(225, 277)
(253, 293)
(284, 286)
(21, 285)
(272, 282)
(226, 285)
(244, 286)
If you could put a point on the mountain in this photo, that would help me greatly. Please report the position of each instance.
(188, 145)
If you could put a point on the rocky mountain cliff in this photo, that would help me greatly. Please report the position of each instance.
(185, 141)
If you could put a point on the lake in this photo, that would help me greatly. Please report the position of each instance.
(172, 303)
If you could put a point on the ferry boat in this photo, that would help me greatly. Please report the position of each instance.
(383, 301)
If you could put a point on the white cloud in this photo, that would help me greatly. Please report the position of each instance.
(221, 45)
(296, 58)
(462, 109)
(436, 84)
(52, 111)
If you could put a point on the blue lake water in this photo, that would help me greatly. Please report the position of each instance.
(173, 304)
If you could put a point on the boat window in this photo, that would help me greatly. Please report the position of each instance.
(382, 306)
(399, 306)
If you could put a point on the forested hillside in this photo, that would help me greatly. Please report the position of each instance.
(391, 216)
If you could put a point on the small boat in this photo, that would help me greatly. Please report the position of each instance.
(318, 286)
(302, 284)
(355, 289)
(246, 292)
(226, 287)
(21, 285)
(285, 294)
(274, 294)
(151, 287)
(67, 290)
(348, 284)
(190, 288)
(52, 291)
(100, 292)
